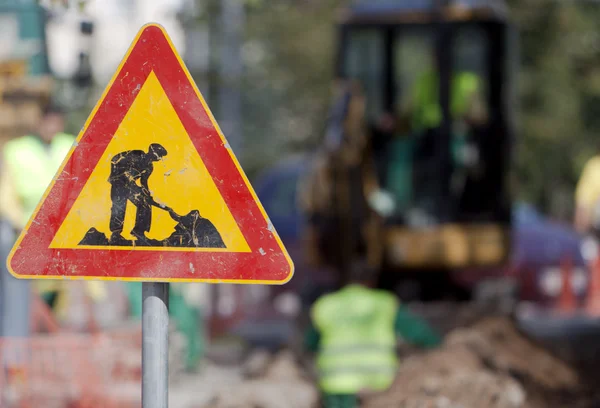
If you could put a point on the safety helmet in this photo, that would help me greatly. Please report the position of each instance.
(157, 150)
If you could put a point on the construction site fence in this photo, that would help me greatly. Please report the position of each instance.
(70, 370)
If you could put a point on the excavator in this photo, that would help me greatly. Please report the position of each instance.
(414, 170)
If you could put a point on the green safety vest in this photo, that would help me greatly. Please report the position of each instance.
(358, 341)
(32, 165)
(428, 113)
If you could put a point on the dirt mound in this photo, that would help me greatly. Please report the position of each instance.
(488, 365)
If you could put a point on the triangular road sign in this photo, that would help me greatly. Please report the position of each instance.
(151, 190)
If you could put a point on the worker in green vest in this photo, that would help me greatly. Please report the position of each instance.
(355, 332)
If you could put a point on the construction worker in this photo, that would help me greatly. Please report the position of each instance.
(587, 198)
(30, 162)
(355, 332)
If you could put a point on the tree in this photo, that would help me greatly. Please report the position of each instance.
(559, 89)
(289, 56)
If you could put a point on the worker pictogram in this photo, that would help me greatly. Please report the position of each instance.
(151, 190)
(126, 169)
(130, 172)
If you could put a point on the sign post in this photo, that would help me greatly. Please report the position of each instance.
(151, 191)
(155, 345)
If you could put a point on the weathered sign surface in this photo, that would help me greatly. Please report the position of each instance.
(151, 190)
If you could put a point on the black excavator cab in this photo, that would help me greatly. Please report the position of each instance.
(436, 82)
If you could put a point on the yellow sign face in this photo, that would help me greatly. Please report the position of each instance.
(178, 180)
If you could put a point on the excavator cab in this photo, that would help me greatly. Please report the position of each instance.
(417, 150)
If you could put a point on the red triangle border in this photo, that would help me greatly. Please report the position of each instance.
(268, 261)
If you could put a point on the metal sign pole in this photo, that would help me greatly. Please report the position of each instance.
(155, 345)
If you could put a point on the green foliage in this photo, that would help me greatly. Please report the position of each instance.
(289, 56)
(559, 98)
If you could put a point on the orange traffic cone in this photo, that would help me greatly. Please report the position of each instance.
(567, 302)
(593, 296)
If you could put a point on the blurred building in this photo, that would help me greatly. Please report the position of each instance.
(90, 37)
(24, 82)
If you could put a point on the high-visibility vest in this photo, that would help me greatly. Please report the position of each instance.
(357, 340)
(427, 111)
(32, 164)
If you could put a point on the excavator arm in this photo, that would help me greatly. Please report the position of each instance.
(341, 226)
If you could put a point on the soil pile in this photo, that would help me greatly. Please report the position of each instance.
(488, 365)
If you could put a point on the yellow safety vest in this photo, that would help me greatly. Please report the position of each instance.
(32, 164)
(428, 113)
(358, 342)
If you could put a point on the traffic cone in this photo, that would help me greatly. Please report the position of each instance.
(567, 302)
(593, 296)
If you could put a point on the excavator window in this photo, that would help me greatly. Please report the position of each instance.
(470, 63)
(416, 78)
(401, 69)
(364, 61)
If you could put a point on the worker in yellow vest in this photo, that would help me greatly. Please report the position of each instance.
(355, 333)
(587, 198)
(29, 163)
